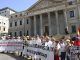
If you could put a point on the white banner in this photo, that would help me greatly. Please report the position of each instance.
(39, 52)
(11, 45)
(74, 52)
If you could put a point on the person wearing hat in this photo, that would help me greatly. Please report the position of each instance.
(68, 49)
(56, 50)
(48, 42)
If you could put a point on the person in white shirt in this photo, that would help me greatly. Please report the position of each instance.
(29, 42)
(63, 48)
(32, 41)
(43, 40)
(38, 40)
(53, 42)
(48, 42)
(3, 37)
(19, 38)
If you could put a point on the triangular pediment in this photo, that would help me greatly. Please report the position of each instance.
(43, 4)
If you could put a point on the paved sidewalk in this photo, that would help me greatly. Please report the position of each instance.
(10, 57)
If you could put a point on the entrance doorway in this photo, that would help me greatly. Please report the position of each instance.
(73, 28)
(46, 31)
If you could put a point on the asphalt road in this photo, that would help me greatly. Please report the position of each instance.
(4, 56)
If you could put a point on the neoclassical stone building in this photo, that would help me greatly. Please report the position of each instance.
(53, 16)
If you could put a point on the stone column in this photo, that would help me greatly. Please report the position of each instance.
(65, 16)
(66, 20)
(41, 27)
(57, 24)
(24, 27)
(29, 26)
(35, 25)
(49, 21)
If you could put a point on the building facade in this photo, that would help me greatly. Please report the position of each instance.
(53, 16)
(19, 24)
(6, 12)
(4, 22)
(4, 19)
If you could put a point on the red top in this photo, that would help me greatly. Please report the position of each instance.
(77, 43)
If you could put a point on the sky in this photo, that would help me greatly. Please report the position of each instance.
(17, 5)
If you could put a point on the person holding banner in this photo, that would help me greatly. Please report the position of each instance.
(48, 42)
(56, 51)
(38, 40)
(43, 40)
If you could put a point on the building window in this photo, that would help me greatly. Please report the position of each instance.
(15, 15)
(71, 14)
(10, 24)
(15, 34)
(11, 16)
(15, 23)
(3, 29)
(27, 13)
(27, 32)
(73, 28)
(20, 22)
(20, 33)
(0, 22)
(2, 12)
(27, 21)
(70, 3)
(4, 23)
(5, 15)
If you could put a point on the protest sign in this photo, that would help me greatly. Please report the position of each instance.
(11, 45)
(74, 52)
(39, 52)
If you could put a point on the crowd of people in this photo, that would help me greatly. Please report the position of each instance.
(61, 46)
(5, 37)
